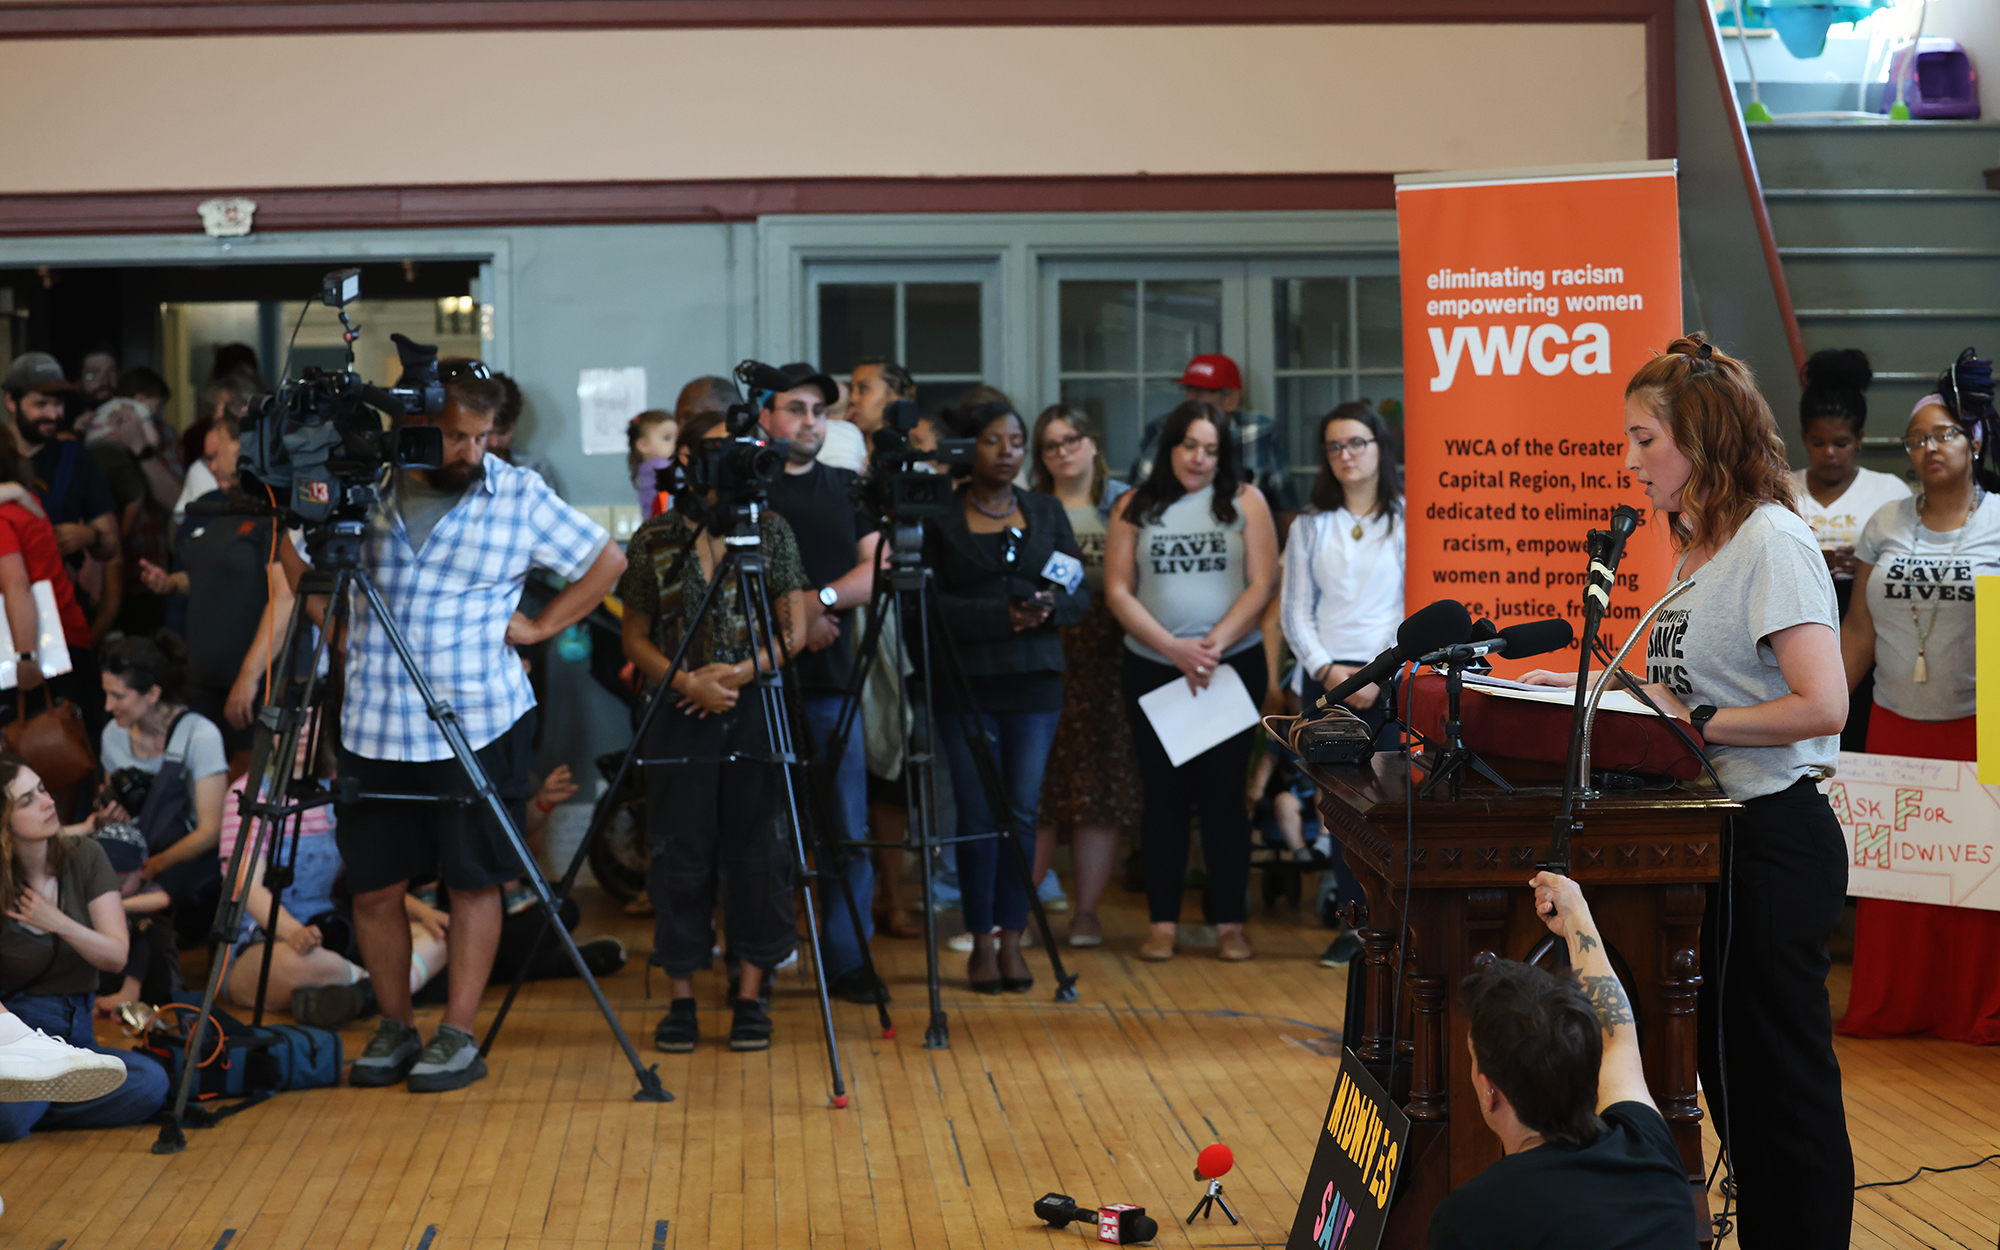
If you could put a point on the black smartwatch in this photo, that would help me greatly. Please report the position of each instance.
(1700, 717)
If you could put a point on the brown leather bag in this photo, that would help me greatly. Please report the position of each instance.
(53, 741)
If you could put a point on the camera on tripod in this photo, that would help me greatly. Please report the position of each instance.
(739, 468)
(318, 444)
(893, 486)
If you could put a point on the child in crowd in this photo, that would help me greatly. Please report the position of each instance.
(651, 438)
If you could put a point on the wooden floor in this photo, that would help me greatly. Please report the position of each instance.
(1107, 1099)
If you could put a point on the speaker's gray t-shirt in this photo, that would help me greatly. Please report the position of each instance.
(1191, 570)
(1916, 567)
(1711, 644)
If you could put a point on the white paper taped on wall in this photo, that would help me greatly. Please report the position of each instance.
(1920, 831)
(607, 400)
(51, 648)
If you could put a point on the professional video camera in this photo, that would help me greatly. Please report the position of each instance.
(893, 486)
(737, 469)
(319, 445)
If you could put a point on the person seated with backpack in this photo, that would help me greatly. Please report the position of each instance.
(63, 926)
(312, 964)
(165, 772)
(1588, 1160)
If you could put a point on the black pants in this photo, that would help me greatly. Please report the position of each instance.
(710, 818)
(1211, 783)
(518, 931)
(1767, 1062)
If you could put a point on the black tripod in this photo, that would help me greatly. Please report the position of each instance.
(907, 589)
(744, 561)
(335, 550)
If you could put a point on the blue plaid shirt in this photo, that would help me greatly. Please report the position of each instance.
(453, 602)
(1260, 458)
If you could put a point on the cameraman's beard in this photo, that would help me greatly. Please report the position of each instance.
(455, 476)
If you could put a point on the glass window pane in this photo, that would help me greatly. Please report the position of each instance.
(1301, 403)
(1099, 327)
(1114, 406)
(941, 327)
(1311, 321)
(1379, 309)
(1183, 320)
(1386, 392)
(934, 395)
(855, 320)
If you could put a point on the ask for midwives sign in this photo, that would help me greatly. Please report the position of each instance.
(1920, 831)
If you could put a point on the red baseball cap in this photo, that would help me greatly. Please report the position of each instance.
(1212, 373)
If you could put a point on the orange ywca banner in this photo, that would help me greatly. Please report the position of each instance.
(1530, 297)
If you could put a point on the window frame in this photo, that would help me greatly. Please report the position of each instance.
(901, 273)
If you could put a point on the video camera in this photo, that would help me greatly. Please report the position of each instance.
(737, 469)
(893, 488)
(319, 445)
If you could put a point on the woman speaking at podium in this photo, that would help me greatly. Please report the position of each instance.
(1750, 653)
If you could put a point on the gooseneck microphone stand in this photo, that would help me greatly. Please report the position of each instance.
(335, 549)
(1605, 549)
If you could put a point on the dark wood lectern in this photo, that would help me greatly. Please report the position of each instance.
(1642, 858)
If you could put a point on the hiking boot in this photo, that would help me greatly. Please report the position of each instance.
(450, 1061)
(678, 1032)
(603, 956)
(391, 1053)
(331, 1006)
(751, 1029)
(855, 986)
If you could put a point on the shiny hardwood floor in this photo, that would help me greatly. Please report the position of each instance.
(1107, 1099)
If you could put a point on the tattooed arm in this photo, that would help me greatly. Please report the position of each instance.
(1559, 903)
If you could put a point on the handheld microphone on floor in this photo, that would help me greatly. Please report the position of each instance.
(1443, 624)
(1120, 1224)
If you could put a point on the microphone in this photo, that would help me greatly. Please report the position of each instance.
(1516, 642)
(1606, 550)
(1443, 624)
(1213, 1162)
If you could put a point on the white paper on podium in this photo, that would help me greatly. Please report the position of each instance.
(51, 649)
(1189, 722)
(1616, 698)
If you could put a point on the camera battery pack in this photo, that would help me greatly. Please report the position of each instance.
(1338, 738)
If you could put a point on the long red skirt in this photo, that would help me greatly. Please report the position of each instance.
(1918, 967)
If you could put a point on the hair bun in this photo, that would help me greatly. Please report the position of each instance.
(1838, 368)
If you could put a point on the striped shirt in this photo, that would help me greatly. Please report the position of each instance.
(453, 601)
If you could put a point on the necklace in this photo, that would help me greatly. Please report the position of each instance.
(1001, 515)
(1921, 671)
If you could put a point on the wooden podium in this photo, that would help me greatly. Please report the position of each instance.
(1642, 859)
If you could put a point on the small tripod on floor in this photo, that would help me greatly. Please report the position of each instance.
(742, 567)
(335, 549)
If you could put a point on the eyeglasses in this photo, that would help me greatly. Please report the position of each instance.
(1915, 443)
(1062, 446)
(1352, 447)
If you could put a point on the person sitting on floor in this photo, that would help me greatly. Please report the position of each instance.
(1588, 1161)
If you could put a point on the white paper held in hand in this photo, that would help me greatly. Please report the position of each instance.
(1189, 722)
(51, 648)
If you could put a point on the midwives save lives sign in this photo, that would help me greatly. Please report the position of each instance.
(1346, 1201)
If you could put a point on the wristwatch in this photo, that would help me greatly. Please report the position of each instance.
(1700, 717)
(828, 596)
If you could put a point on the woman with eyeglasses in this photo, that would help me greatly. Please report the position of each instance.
(1190, 562)
(991, 559)
(1090, 794)
(1918, 561)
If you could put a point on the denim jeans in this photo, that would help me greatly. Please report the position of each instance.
(67, 1016)
(989, 878)
(850, 813)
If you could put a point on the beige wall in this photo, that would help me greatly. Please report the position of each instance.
(585, 106)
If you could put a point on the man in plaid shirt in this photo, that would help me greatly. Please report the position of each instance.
(1260, 452)
(449, 550)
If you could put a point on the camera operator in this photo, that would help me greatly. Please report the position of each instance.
(449, 550)
(719, 809)
(837, 545)
(1588, 1160)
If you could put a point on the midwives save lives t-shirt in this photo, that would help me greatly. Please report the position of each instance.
(1625, 1191)
(1934, 574)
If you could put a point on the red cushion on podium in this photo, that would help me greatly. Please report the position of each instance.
(1622, 742)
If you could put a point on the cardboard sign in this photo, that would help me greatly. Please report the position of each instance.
(1346, 1201)
(1530, 297)
(1921, 831)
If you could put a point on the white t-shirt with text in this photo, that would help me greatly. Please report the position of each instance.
(1839, 524)
(1934, 574)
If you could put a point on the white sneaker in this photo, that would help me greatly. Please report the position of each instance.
(40, 1068)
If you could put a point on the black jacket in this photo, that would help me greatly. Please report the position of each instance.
(974, 589)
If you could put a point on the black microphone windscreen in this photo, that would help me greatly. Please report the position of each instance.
(1445, 623)
(1537, 637)
(1483, 629)
(1624, 520)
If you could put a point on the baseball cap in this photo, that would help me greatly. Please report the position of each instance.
(36, 371)
(1212, 373)
(799, 373)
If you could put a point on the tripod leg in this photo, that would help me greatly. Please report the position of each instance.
(446, 719)
(919, 759)
(600, 816)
